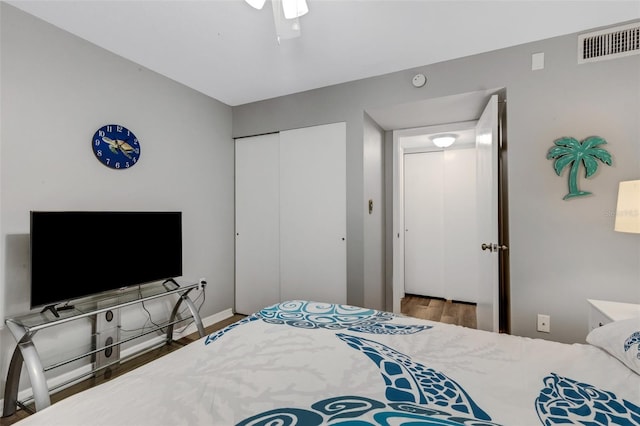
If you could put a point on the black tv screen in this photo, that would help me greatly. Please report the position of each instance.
(78, 253)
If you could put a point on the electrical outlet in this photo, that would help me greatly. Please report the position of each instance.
(544, 323)
(201, 283)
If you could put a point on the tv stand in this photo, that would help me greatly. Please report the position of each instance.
(23, 329)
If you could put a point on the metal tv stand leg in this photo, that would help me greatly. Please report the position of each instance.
(194, 313)
(26, 352)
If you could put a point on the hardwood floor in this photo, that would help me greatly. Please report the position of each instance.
(124, 367)
(440, 310)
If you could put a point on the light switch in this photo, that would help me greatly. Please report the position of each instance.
(537, 61)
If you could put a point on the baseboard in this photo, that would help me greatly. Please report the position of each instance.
(125, 354)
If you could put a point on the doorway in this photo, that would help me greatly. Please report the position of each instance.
(490, 286)
(463, 109)
(440, 230)
(435, 213)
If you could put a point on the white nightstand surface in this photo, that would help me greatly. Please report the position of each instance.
(616, 311)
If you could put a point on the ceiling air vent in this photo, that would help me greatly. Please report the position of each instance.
(610, 43)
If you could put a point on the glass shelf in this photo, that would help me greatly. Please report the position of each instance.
(25, 327)
(96, 304)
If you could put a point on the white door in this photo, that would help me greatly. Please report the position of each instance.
(487, 199)
(313, 214)
(440, 227)
(460, 227)
(257, 222)
(423, 221)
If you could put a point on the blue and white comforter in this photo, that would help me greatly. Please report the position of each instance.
(306, 363)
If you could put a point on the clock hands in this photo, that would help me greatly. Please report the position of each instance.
(122, 150)
(118, 145)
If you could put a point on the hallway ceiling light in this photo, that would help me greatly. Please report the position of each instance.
(443, 141)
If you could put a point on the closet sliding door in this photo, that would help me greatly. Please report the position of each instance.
(440, 230)
(313, 209)
(257, 222)
(291, 217)
(424, 224)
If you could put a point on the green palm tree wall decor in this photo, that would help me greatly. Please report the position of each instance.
(568, 150)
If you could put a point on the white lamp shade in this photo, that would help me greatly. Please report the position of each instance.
(294, 8)
(628, 209)
(258, 4)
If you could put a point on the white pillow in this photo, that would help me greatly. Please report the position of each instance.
(621, 339)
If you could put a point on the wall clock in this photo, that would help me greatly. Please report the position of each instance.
(116, 146)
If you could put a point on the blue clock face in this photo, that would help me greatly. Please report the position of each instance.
(116, 146)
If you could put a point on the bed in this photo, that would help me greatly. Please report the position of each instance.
(310, 363)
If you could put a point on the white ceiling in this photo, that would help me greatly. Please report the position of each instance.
(228, 50)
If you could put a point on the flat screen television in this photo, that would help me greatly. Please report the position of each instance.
(79, 253)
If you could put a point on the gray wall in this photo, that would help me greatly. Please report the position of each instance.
(374, 221)
(57, 90)
(562, 252)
